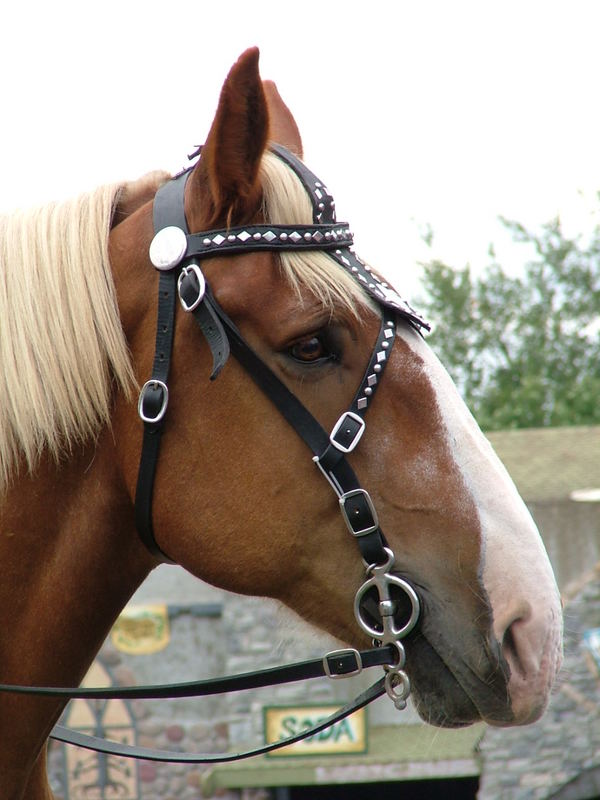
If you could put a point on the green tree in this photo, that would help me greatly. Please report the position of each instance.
(524, 351)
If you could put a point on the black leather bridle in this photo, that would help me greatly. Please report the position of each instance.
(386, 606)
(177, 255)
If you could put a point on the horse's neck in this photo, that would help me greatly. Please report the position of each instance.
(70, 561)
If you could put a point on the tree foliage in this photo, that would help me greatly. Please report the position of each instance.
(524, 351)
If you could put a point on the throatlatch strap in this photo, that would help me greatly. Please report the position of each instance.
(154, 398)
(153, 404)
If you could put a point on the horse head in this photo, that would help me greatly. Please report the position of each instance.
(237, 498)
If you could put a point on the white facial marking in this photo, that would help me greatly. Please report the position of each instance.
(515, 569)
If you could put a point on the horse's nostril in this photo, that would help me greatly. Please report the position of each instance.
(519, 641)
(509, 650)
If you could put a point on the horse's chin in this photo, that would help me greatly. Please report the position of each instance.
(449, 692)
(442, 702)
(455, 711)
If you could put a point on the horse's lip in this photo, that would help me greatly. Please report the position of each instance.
(451, 692)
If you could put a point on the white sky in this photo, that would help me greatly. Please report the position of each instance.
(414, 113)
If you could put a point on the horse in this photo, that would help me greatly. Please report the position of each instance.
(235, 498)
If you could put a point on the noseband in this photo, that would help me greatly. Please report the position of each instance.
(386, 606)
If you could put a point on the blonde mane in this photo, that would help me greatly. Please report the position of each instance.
(61, 341)
(62, 347)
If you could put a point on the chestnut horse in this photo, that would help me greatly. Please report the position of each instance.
(237, 501)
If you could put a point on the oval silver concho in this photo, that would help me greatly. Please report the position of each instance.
(168, 247)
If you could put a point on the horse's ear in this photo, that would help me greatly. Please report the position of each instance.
(224, 189)
(282, 125)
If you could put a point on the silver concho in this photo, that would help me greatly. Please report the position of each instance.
(168, 247)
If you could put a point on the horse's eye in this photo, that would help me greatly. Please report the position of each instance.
(310, 350)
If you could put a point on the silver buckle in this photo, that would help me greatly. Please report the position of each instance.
(363, 531)
(339, 654)
(154, 384)
(201, 284)
(357, 435)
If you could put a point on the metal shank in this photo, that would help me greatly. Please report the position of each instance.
(382, 580)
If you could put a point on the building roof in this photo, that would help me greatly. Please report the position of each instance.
(550, 463)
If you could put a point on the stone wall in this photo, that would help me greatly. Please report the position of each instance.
(197, 649)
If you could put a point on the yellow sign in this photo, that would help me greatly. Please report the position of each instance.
(347, 736)
(141, 630)
(91, 775)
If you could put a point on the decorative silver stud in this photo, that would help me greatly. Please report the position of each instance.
(244, 236)
(377, 368)
(368, 390)
(388, 333)
(231, 237)
(269, 236)
(381, 356)
(372, 380)
(218, 239)
(295, 237)
(283, 236)
(362, 403)
(256, 236)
